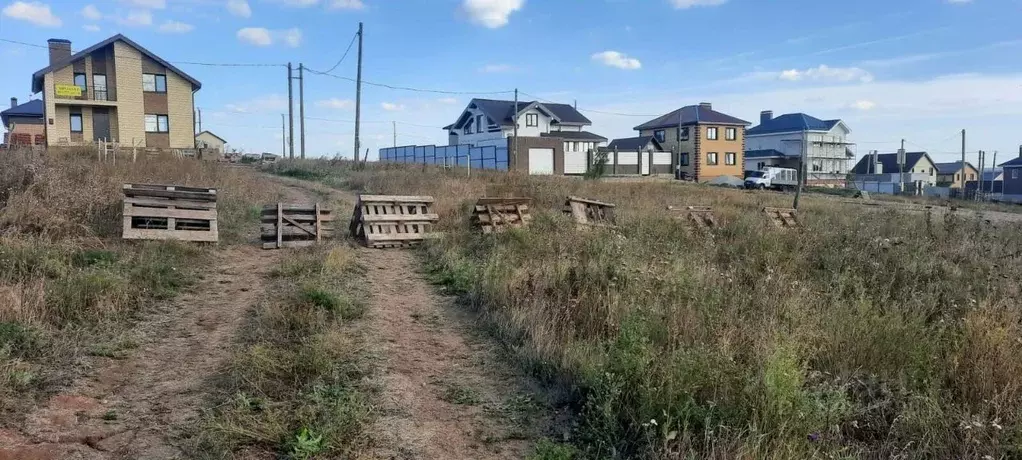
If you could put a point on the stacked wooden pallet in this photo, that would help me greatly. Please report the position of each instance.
(294, 225)
(169, 212)
(496, 215)
(782, 217)
(390, 221)
(590, 212)
(700, 216)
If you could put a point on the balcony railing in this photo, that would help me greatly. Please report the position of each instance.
(88, 93)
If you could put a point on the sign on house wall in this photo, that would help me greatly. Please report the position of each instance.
(68, 90)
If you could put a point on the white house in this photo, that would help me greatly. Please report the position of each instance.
(779, 142)
(486, 122)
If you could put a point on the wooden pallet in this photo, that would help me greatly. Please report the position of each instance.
(388, 221)
(700, 216)
(496, 215)
(169, 212)
(590, 212)
(783, 217)
(294, 225)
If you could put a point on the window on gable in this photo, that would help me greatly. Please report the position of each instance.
(532, 120)
(1014, 173)
(468, 126)
(660, 135)
(711, 134)
(730, 134)
(154, 83)
(711, 158)
(479, 123)
(683, 134)
(931, 171)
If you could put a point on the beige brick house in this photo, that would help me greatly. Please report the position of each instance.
(116, 91)
(707, 144)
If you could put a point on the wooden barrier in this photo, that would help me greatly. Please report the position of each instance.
(387, 221)
(700, 216)
(169, 212)
(590, 212)
(783, 217)
(496, 215)
(294, 225)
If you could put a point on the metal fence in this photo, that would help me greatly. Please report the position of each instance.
(463, 155)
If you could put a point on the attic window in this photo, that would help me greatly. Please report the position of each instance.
(660, 135)
(154, 83)
(468, 126)
(532, 120)
(683, 134)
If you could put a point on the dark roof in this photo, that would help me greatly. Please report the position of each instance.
(791, 122)
(768, 153)
(951, 168)
(888, 162)
(211, 134)
(33, 108)
(37, 78)
(992, 174)
(502, 112)
(1013, 163)
(690, 115)
(574, 135)
(634, 143)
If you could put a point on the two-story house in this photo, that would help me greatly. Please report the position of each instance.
(880, 172)
(24, 123)
(1012, 179)
(706, 143)
(954, 175)
(115, 91)
(780, 142)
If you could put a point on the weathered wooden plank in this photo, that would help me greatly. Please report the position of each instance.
(194, 196)
(394, 236)
(381, 199)
(404, 218)
(280, 224)
(588, 201)
(302, 208)
(296, 217)
(174, 213)
(292, 232)
(157, 202)
(289, 244)
(503, 201)
(169, 187)
(181, 235)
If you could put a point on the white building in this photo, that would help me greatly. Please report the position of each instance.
(779, 142)
(486, 122)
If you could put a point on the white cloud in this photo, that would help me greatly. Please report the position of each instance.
(335, 103)
(34, 12)
(492, 14)
(686, 4)
(496, 68)
(175, 27)
(91, 12)
(293, 37)
(136, 18)
(239, 8)
(152, 4)
(826, 73)
(91, 28)
(255, 36)
(862, 104)
(447, 100)
(617, 59)
(392, 107)
(347, 4)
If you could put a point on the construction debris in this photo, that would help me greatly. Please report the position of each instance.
(590, 212)
(496, 215)
(783, 217)
(169, 212)
(700, 216)
(389, 221)
(294, 226)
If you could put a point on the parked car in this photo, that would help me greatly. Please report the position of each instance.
(772, 178)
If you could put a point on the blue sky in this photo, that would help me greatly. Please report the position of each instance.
(921, 70)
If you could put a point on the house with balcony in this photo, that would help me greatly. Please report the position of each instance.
(780, 142)
(707, 144)
(115, 91)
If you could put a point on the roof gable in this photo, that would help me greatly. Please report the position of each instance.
(37, 77)
(952, 167)
(691, 115)
(211, 134)
(794, 122)
(635, 143)
(32, 108)
(1013, 163)
(889, 162)
(502, 113)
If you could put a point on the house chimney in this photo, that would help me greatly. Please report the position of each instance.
(14, 102)
(60, 49)
(766, 116)
(706, 105)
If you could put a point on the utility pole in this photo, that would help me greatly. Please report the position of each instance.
(200, 119)
(358, 95)
(515, 122)
(394, 123)
(283, 136)
(801, 169)
(901, 167)
(301, 105)
(993, 167)
(290, 114)
(963, 163)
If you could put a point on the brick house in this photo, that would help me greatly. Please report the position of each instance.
(116, 91)
(708, 144)
(24, 123)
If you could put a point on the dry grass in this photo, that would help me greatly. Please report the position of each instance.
(68, 285)
(869, 334)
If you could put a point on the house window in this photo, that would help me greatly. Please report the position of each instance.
(99, 86)
(154, 83)
(730, 158)
(931, 171)
(479, 123)
(468, 126)
(711, 158)
(958, 176)
(76, 122)
(1014, 173)
(760, 166)
(532, 120)
(972, 177)
(683, 159)
(711, 134)
(157, 124)
(81, 82)
(683, 134)
(660, 135)
(730, 134)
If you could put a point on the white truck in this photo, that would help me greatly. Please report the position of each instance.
(772, 178)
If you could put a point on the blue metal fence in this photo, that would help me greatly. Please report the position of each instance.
(488, 157)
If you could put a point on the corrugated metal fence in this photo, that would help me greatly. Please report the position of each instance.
(463, 155)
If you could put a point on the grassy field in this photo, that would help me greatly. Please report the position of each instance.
(869, 334)
(68, 286)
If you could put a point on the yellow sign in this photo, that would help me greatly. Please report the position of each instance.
(68, 90)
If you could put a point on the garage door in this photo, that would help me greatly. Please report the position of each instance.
(574, 162)
(541, 161)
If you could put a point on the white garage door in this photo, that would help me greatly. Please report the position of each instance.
(541, 161)
(574, 162)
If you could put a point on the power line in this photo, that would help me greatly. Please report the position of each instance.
(208, 64)
(407, 88)
(339, 61)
